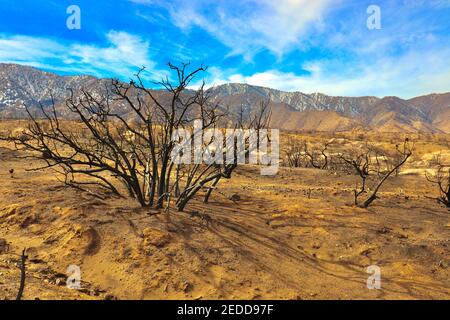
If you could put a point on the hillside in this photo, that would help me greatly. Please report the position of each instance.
(22, 85)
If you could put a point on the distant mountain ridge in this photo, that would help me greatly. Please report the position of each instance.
(20, 85)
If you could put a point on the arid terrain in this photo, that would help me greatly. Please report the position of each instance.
(296, 235)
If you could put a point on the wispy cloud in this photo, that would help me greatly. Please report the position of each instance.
(403, 77)
(122, 55)
(407, 57)
(250, 26)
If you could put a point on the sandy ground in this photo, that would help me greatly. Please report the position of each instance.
(292, 236)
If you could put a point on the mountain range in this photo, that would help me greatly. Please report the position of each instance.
(22, 85)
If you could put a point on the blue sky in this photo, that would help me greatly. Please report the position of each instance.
(293, 45)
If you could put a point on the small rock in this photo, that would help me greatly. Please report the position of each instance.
(235, 197)
(155, 237)
(383, 230)
(109, 296)
(94, 292)
(186, 287)
(4, 246)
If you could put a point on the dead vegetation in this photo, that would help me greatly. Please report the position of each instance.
(370, 161)
(105, 152)
(441, 178)
(301, 154)
(23, 275)
(367, 161)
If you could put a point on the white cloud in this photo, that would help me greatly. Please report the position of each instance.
(21, 48)
(407, 76)
(249, 26)
(123, 54)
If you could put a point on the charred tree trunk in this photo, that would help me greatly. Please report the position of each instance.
(23, 260)
(210, 189)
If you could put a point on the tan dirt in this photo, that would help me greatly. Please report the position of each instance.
(292, 236)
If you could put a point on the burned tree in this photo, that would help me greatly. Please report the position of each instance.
(224, 149)
(360, 164)
(317, 156)
(304, 154)
(294, 156)
(121, 140)
(22, 266)
(366, 163)
(441, 178)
